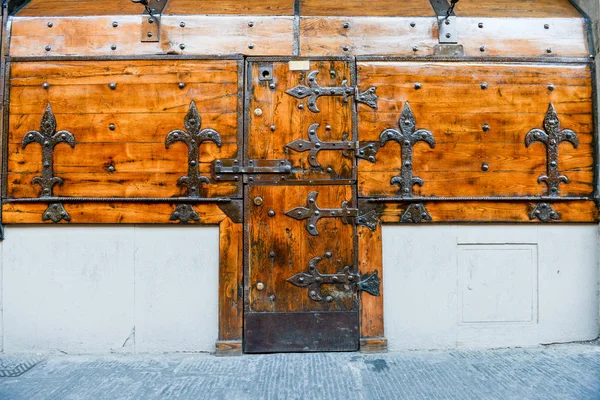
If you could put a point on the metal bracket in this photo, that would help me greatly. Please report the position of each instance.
(407, 136)
(415, 213)
(314, 145)
(231, 170)
(447, 23)
(48, 138)
(314, 91)
(150, 31)
(552, 137)
(544, 212)
(312, 214)
(192, 137)
(313, 280)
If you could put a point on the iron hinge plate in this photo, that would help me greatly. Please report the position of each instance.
(447, 22)
(150, 30)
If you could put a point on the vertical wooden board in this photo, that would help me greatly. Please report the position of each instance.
(274, 109)
(478, 114)
(120, 131)
(231, 305)
(370, 256)
(280, 247)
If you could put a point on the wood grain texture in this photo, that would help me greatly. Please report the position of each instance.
(109, 213)
(146, 105)
(228, 348)
(512, 8)
(498, 212)
(374, 8)
(373, 345)
(231, 301)
(274, 108)
(230, 7)
(280, 247)
(370, 259)
(454, 107)
(53, 8)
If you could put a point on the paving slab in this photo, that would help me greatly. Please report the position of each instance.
(553, 372)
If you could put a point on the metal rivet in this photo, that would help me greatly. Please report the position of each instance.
(258, 112)
(346, 25)
(484, 85)
(258, 201)
(412, 24)
(329, 299)
(272, 254)
(485, 127)
(328, 254)
(415, 48)
(46, 85)
(111, 168)
(115, 24)
(181, 85)
(112, 86)
(448, 35)
(182, 24)
(114, 46)
(418, 86)
(550, 87)
(48, 48)
(271, 213)
(480, 25)
(482, 49)
(549, 50)
(251, 24)
(260, 286)
(250, 46)
(485, 167)
(546, 26)
(50, 24)
(301, 106)
(150, 20)
(272, 86)
(112, 127)
(149, 34)
(182, 46)
(345, 48)
(273, 128)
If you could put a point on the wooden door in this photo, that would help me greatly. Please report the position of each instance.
(301, 280)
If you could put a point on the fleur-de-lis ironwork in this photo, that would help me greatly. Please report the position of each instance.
(407, 136)
(552, 136)
(312, 213)
(544, 212)
(47, 137)
(313, 91)
(192, 137)
(313, 280)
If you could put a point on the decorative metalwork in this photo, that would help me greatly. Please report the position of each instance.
(544, 212)
(552, 136)
(313, 280)
(407, 136)
(47, 137)
(416, 213)
(192, 137)
(314, 145)
(312, 214)
(313, 91)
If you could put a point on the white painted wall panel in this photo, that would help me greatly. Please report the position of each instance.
(528, 285)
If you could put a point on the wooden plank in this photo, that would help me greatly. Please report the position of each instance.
(370, 254)
(231, 304)
(373, 345)
(499, 212)
(109, 213)
(230, 7)
(51, 8)
(373, 8)
(228, 348)
(512, 8)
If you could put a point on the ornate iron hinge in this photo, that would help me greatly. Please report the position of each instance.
(407, 136)
(552, 138)
(313, 280)
(312, 214)
(48, 138)
(193, 137)
(314, 145)
(231, 170)
(415, 213)
(314, 91)
(544, 212)
(151, 20)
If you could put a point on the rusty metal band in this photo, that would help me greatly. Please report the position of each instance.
(118, 200)
(421, 199)
(296, 50)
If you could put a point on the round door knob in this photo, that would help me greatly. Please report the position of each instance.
(258, 201)
(260, 286)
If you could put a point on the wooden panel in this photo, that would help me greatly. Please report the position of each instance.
(111, 213)
(280, 247)
(373, 8)
(454, 107)
(370, 256)
(145, 106)
(209, 35)
(51, 8)
(274, 108)
(367, 36)
(231, 301)
(503, 212)
(230, 7)
(512, 8)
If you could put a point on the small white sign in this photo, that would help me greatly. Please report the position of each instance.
(303, 65)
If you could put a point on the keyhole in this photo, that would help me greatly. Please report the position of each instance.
(266, 74)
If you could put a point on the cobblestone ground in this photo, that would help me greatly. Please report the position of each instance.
(555, 372)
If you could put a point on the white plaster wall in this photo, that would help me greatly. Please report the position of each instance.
(489, 285)
(83, 289)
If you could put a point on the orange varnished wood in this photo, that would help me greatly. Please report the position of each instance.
(293, 247)
(52, 8)
(370, 254)
(517, 8)
(230, 7)
(146, 105)
(373, 8)
(231, 305)
(502, 212)
(454, 107)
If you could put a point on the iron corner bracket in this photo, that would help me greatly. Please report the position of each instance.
(234, 209)
(151, 19)
(447, 22)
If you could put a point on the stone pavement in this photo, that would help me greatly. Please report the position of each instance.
(553, 372)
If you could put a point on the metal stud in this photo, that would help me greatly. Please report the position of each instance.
(114, 46)
(250, 46)
(480, 25)
(48, 48)
(182, 46)
(301, 106)
(415, 48)
(484, 85)
(412, 24)
(112, 127)
(550, 87)
(111, 168)
(485, 167)
(345, 48)
(50, 24)
(260, 286)
(112, 86)
(272, 86)
(251, 24)
(46, 85)
(546, 26)
(549, 50)
(271, 213)
(182, 24)
(485, 127)
(346, 25)
(181, 85)
(115, 24)
(258, 201)
(482, 49)
(418, 86)
(258, 112)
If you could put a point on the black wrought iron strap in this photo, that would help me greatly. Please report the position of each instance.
(313, 280)
(47, 137)
(313, 91)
